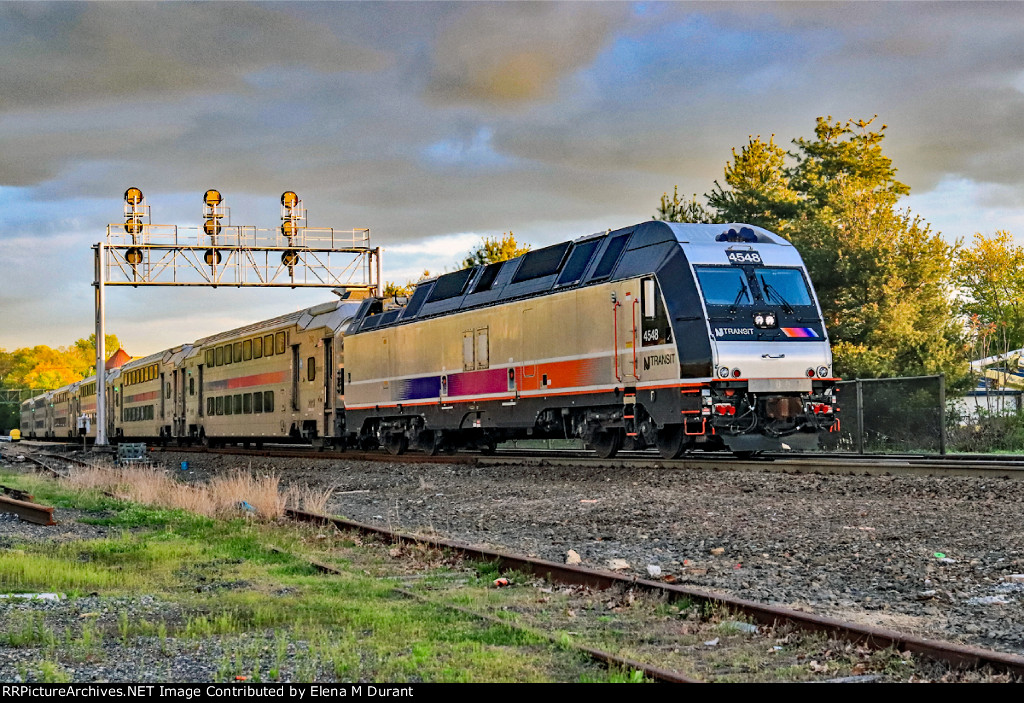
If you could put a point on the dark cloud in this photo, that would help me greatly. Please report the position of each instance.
(427, 119)
(494, 54)
(53, 54)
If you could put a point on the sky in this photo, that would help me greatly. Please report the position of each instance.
(436, 124)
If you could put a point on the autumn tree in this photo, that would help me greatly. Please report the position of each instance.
(494, 249)
(988, 276)
(882, 275)
(44, 367)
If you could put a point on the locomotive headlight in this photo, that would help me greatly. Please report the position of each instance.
(723, 372)
(769, 320)
(823, 371)
(759, 320)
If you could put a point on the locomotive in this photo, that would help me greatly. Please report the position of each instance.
(665, 335)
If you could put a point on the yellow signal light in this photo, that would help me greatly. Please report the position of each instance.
(290, 258)
(212, 198)
(212, 227)
(133, 256)
(212, 256)
(289, 199)
(289, 228)
(133, 196)
(133, 225)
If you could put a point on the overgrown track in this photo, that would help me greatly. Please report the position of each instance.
(896, 465)
(953, 655)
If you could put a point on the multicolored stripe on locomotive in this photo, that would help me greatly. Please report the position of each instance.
(664, 335)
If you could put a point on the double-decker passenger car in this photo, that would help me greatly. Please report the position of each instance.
(661, 334)
(277, 380)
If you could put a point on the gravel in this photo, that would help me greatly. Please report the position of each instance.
(931, 556)
(936, 557)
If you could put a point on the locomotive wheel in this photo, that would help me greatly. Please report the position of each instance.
(488, 447)
(607, 443)
(671, 441)
(434, 443)
(396, 444)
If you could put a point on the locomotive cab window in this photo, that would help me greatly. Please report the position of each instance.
(648, 295)
(724, 285)
(783, 286)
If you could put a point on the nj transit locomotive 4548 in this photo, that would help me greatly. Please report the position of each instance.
(673, 336)
(664, 335)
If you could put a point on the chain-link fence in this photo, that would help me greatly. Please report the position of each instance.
(903, 415)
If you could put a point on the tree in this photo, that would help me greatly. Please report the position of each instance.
(757, 188)
(991, 285)
(494, 249)
(676, 210)
(44, 367)
(882, 276)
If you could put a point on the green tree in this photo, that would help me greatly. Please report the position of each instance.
(757, 189)
(494, 249)
(883, 277)
(678, 210)
(989, 278)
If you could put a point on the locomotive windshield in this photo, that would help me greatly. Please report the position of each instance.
(785, 286)
(724, 285)
(728, 285)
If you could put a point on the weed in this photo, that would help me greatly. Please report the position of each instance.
(52, 672)
(30, 630)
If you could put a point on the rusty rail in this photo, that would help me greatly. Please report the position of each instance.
(31, 512)
(652, 672)
(954, 655)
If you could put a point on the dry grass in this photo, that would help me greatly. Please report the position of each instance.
(312, 500)
(223, 495)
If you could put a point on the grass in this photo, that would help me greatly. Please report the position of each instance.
(272, 616)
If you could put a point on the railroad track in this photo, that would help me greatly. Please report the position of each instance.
(953, 655)
(897, 465)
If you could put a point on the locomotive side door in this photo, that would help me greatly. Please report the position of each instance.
(625, 315)
(329, 374)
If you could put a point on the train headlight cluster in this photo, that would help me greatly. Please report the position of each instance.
(765, 320)
(823, 371)
(723, 372)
